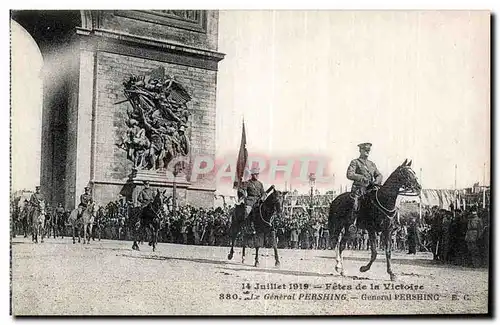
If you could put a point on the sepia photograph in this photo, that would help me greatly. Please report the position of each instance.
(197, 162)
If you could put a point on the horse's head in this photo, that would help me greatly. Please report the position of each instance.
(405, 179)
(157, 204)
(92, 208)
(275, 200)
(42, 208)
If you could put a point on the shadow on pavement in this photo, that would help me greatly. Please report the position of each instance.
(249, 268)
(165, 258)
(408, 261)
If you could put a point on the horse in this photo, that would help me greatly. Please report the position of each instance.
(376, 214)
(25, 219)
(38, 215)
(263, 215)
(149, 218)
(84, 223)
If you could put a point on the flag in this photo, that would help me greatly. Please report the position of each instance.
(242, 159)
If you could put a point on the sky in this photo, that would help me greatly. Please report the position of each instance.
(415, 84)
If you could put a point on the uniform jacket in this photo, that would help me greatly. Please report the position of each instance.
(36, 198)
(85, 199)
(363, 172)
(146, 196)
(254, 190)
(474, 229)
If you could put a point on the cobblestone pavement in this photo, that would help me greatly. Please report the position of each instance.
(109, 278)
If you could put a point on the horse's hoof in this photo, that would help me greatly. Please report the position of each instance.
(364, 268)
(343, 273)
(393, 276)
(338, 269)
(74, 242)
(229, 256)
(277, 264)
(256, 264)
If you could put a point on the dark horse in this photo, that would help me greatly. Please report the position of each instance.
(263, 216)
(149, 218)
(376, 214)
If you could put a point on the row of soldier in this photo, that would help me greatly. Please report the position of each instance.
(458, 237)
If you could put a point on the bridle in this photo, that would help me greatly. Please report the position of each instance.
(407, 191)
(268, 223)
(390, 213)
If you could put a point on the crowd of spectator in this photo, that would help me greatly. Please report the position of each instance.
(457, 237)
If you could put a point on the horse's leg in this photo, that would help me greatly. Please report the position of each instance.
(275, 248)
(340, 248)
(388, 247)
(243, 251)
(137, 227)
(257, 239)
(90, 233)
(335, 246)
(73, 232)
(256, 256)
(372, 239)
(155, 238)
(231, 252)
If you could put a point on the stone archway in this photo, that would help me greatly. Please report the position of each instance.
(54, 32)
(87, 56)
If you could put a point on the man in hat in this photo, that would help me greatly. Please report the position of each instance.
(146, 196)
(363, 173)
(36, 198)
(85, 200)
(254, 190)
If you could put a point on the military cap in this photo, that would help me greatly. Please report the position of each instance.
(37, 187)
(146, 182)
(365, 145)
(255, 170)
(87, 187)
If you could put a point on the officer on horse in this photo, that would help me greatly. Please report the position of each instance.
(37, 198)
(85, 200)
(146, 196)
(252, 193)
(365, 176)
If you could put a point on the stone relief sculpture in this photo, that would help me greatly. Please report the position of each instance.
(157, 120)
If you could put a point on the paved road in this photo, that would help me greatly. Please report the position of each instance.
(108, 278)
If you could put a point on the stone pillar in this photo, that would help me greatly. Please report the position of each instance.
(85, 134)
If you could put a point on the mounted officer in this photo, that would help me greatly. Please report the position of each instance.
(365, 175)
(36, 198)
(146, 196)
(85, 200)
(253, 193)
